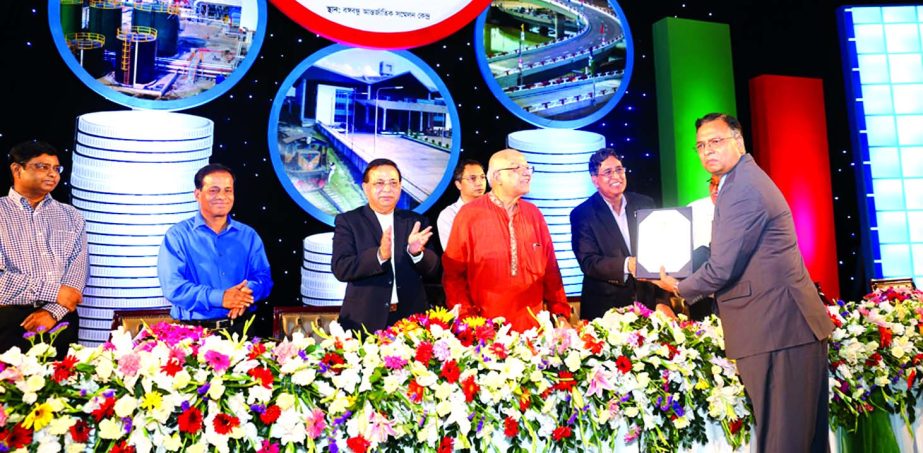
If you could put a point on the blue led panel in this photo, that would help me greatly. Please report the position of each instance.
(883, 55)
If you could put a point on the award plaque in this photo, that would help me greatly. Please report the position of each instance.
(664, 239)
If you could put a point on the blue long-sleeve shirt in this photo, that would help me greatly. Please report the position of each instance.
(195, 266)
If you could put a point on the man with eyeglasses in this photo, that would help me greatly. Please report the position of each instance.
(604, 236)
(471, 183)
(775, 324)
(501, 261)
(44, 247)
(383, 254)
(213, 269)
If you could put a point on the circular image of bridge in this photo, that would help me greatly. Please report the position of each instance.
(555, 63)
(343, 107)
(158, 54)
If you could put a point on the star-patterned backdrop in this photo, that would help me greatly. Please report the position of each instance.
(40, 98)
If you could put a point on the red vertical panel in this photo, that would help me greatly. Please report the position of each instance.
(789, 130)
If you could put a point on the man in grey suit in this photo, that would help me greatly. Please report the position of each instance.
(775, 324)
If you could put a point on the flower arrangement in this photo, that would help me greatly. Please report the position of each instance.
(876, 356)
(430, 382)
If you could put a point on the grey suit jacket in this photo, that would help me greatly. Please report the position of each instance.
(766, 299)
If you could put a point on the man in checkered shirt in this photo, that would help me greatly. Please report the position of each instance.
(43, 245)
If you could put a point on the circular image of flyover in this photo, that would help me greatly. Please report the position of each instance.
(158, 54)
(555, 63)
(343, 107)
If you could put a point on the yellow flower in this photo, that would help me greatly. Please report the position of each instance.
(475, 321)
(39, 418)
(151, 401)
(405, 326)
(441, 314)
(701, 385)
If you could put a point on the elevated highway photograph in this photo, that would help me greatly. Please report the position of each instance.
(557, 59)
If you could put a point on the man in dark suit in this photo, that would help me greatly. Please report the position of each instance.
(382, 254)
(775, 324)
(604, 235)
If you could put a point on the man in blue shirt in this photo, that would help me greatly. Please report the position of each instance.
(213, 268)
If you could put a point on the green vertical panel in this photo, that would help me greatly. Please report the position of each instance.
(692, 64)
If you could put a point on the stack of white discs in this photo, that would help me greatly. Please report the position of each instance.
(561, 182)
(319, 287)
(132, 180)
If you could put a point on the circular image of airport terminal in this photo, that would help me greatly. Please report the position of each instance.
(342, 108)
(158, 54)
(555, 63)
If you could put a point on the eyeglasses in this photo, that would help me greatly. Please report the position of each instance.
(215, 191)
(392, 184)
(473, 179)
(711, 144)
(43, 167)
(610, 172)
(521, 169)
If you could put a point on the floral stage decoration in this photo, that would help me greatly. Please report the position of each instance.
(430, 382)
(876, 364)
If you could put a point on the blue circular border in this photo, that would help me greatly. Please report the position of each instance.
(57, 35)
(540, 121)
(289, 82)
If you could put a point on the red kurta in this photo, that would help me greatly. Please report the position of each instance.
(478, 269)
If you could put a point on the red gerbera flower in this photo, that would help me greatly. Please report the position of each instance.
(172, 367)
(499, 350)
(262, 374)
(565, 382)
(80, 431)
(64, 369)
(19, 437)
(561, 432)
(623, 364)
(224, 423)
(331, 360)
(415, 391)
(106, 409)
(122, 447)
(591, 344)
(358, 444)
(886, 336)
(735, 426)
(510, 427)
(450, 371)
(257, 350)
(470, 388)
(190, 421)
(271, 414)
(424, 352)
(446, 445)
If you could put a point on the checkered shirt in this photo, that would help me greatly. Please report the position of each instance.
(42, 249)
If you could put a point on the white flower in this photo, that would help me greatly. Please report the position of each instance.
(304, 377)
(110, 428)
(60, 425)
(180, 380)
(289, 428)
(125, 406)
(285, 401)
(216, 389)
(140, 440)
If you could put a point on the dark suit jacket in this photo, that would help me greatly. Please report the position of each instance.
(601, 251)
(766, 299)
(368, 288)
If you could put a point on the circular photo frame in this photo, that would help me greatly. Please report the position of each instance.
(341, 108)
(383, 24)
(158, 55)
(555, 63)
